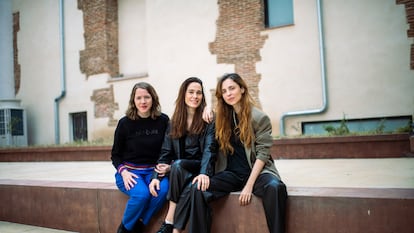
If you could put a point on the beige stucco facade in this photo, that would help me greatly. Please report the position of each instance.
(367, 54)
(367, 63)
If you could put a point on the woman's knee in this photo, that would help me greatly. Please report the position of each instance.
(176, 166)
(139, 194)
(275, 186)
(163, 190)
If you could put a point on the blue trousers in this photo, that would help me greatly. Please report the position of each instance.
(141, 204)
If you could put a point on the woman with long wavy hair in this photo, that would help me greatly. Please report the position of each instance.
(187, 153)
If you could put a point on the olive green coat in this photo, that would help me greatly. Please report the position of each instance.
(261, 147)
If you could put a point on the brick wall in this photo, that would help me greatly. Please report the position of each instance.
(105, 105)
(16, 28)
(409, 11)
(238, 40)
(100, 21)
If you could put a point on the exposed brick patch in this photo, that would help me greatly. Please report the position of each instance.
(238, 40)
(105, 105)
(100, 19)
(16, 28)
(409, 11)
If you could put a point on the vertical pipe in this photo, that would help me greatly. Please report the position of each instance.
(63, 71)
(323, 76)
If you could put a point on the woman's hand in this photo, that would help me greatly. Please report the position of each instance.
(208, 114)
(245, 195)
(162, 169)
(154, 186)
(203, 182)
(129, 179)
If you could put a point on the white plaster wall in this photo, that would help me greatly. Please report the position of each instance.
(179, 32)
(367, 53)
(40, 60)
(38, 47)
(367, 63)
(79, 88)
(175, 41)
(290, 66)
(370, 73)
(6, 48)
(132, 26)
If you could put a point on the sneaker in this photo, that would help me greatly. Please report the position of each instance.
(166, 228)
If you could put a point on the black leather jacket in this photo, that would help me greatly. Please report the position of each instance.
(207, 150)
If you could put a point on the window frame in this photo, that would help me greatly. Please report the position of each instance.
(273, 20)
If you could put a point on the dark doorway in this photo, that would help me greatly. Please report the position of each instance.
(80, 126)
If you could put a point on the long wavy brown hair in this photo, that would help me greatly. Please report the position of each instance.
(224, 116)
(132, 111)
(179, 118)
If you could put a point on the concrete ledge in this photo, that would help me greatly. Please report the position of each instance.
(89, 207)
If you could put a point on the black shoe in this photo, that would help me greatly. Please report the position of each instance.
(122, 229)
(166, 228)
(138, 227)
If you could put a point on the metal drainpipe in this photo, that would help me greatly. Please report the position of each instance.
(323, 77)
(63, 73)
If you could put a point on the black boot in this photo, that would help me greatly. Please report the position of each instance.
(138, 227)
(122, 229)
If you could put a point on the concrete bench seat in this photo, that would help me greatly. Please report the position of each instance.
(93, 207)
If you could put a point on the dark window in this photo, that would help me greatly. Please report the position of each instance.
(2, 122)
(278, 13)
(391, 124)
(16, 122)
(80, 126)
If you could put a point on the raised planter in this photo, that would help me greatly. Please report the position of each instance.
(367, 146)
(64, 153)
(370, 146)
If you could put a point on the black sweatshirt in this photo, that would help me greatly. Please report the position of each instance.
(138, 141)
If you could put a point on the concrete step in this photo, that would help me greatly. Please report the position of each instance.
(89, 207)
(325, 196)
(9, 227)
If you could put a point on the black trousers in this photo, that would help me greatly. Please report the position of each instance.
(194, 204)
(181, 174)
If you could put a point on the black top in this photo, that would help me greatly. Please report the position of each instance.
(138, 141)
(201, 147)
(237, 162)
(191, 147)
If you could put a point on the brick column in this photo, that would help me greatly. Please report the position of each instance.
(409, 11)
(100, 21)
(238, 40)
